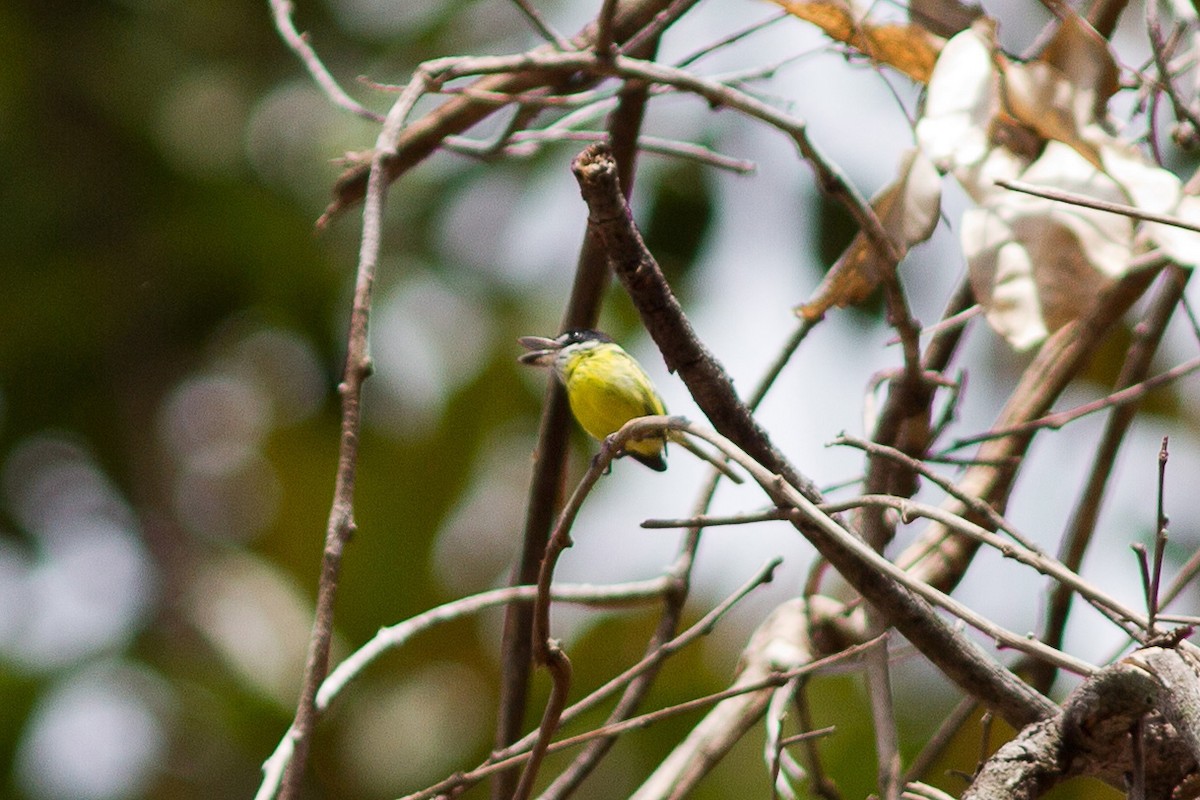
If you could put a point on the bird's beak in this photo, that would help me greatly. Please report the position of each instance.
(542, 351)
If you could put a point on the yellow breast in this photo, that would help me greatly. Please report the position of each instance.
(606, 388)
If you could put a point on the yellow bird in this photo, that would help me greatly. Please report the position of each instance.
(606, 387)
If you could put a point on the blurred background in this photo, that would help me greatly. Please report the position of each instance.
(172, 330)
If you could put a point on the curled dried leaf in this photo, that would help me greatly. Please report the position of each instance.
(908, 211)
(910, 49)
(1036, 264)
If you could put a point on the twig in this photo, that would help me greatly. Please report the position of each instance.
(1131, 394)
(941, 739)
(609, 218)
(546, 651)
(1160, 541)
(974, 504)
(425, 136)
(544, 28)
(341, 523)
(1100, 205)
(705, 521)
(790, 497)
(732, 38)
(1105, 604)
(1148, 334)
(504, 759)
(649, 144)
(397, 635)
(829, 177)
(298, 42)
(1143, 561)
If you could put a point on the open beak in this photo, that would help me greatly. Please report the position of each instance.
(542, 351)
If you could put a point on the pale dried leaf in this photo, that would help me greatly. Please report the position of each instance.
(1156, 190)
(1047, 101)
(908, 211)
(1180, 244)
(963, 98)
(1150, 187)
(1037, 264)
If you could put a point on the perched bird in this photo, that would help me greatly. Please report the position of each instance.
(606, 387)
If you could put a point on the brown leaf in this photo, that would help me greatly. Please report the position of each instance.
(1036, 264)
(1084, 57)
(943, 17)
(909, 49)
(908, 210)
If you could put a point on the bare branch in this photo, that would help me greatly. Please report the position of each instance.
(543, 27)
(341, 515)
(298, 42)
(609, 217)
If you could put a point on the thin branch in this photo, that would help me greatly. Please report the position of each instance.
(732, 38)
(341, 523)
(610, 218)
(941, 739)
(592, 279)
(829, 177)
(1099, 205)
(424, 137)
(546, 651)
(298, 42)
(544, 28)
(1126, 618)
(518, 146)
(705, 521)
(1130, 394)
(1160, 540)
(789, 496)
(396, 636)
(1057, 363)
(1139, 356)
(974, 504)
(515, 754)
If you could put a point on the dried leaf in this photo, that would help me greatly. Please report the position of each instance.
(1041, 97)
(943, 18)
(1081, 54)
(908, 211)
(1036, 264)
(963, 99)
(1180, 244)
(1152, 188)
(910, 49)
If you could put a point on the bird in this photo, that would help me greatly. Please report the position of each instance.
(606, 387)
